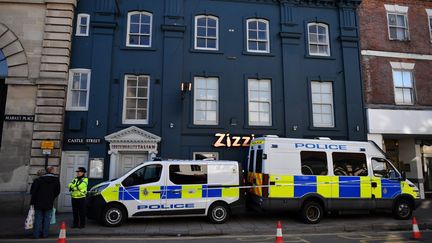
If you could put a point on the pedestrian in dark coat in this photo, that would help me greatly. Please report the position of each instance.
(43, 193)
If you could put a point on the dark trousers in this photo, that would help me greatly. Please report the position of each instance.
(41, 223)
(79, 211)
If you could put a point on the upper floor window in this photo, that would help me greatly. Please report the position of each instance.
(206, 32)
(258, 39)
(78, 89)
(429, 13)
(139, 29)
(318, 36)
(136, 99)
(322, 104)
(397, 17)
(83, 24)
(403, 82)
(206, 101)
(259, 104)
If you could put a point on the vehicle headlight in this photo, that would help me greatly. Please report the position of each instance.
(96, 190)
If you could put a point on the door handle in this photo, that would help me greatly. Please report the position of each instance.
(157, 192)
(176, 191)
(374, 184)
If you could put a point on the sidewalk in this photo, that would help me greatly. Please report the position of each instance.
(241, 223)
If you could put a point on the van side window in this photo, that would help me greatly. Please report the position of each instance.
(382, 168)
(313, 163)
(147, 174)
(188, 174)
(259, 161)
(251, 160)
(349, 164)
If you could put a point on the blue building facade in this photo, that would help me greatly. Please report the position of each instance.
(193, 79)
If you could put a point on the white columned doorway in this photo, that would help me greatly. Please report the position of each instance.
(130, 147)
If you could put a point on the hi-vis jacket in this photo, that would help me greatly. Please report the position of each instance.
(78, 187)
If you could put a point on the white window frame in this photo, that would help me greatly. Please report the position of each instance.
(78, 24)
(429, 14)
(403, 67)
(267, 41)
(128, 29)
(259, 101)
(195, 121)
(321, 125)
(206, 37)
(326, 26)
(397, 10)
(69, 106)
(216, 154)
(135, 121)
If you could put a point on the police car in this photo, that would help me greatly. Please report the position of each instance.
(168, 188)
(314, 176)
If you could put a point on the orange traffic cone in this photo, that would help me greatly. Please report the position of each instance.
(416, 235)
(279, 238)
(62, 235)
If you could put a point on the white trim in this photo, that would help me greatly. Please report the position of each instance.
(402, 65)
(405, 28)
(314, 124)
(396, 8)
(267, 23)
(317, 43)
(135, 121)
(205, 122)
(128, 28)
(259, 123)
(396, 55)
(196, 29)
(69, 106)
(429, 20)
(78, 24)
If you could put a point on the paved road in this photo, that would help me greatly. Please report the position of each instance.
(373, 237)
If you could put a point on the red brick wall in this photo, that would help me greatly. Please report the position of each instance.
(377, 72)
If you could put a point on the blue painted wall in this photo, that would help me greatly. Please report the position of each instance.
(171, 60)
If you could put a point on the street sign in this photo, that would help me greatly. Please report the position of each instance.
(47, 145)
(46, 151)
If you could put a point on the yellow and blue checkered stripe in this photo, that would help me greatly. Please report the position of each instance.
(142, 193)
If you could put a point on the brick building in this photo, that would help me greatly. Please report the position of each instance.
(396, 41)
(34, 61)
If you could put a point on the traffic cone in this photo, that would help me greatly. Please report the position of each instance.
(279, 238)
(62, 235)
(416, 235)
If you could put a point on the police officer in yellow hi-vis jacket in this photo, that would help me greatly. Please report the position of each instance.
(78, 190)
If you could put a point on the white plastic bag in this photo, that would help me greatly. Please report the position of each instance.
(30, 218)
(53, 216)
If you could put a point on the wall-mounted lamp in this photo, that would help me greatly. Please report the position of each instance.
(185, 87)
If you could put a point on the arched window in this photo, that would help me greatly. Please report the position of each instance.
(318, 36)
(139, 29)
(258, 39)
(206, 32)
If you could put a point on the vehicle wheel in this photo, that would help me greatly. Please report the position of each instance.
(403, 209)
(113, 215)
(218, 213)
(312, 212)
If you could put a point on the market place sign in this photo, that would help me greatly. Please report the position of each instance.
(226, 140)
(19, 118)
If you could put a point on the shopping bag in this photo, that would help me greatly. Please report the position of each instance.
(30, 218)
(53, 216)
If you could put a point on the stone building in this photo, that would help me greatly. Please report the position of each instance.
(35, 42)
(396, 39)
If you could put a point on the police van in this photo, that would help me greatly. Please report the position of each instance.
(314, 176)
(168, 188)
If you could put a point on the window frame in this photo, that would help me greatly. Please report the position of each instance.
(267, 23)
(259, 102)
(206, 122)
(135, 121)
(429, 15)
(144, 168)
(316, 153)
(327, 28)
(213, 153)
(78, 24)
(347, 152)
(128, 29)
(403, 87)
(333, 124)
(406, 28)
(191, 165)
(206, 37)
(69, 106)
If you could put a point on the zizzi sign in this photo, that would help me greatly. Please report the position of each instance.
(226, 140)
(19, 118)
